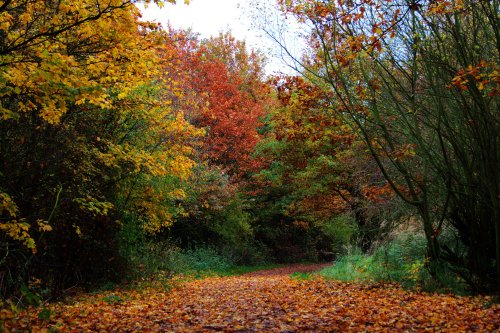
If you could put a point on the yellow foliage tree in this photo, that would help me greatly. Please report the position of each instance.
(63, 59)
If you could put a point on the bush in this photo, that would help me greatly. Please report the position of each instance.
(352, 266)
(147, 255)
(403, 260)
(144, 255)
(199, 260)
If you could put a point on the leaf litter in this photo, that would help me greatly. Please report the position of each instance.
(264, 301)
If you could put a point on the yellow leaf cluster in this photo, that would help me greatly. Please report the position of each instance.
(7, 205)
(16, 229)
(43, 225)
(94, 206)
(55, 72)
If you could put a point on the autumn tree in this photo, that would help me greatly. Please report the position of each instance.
(223, 93)
(87, 134)
(419, 82)
(329, 184)
(229, 79)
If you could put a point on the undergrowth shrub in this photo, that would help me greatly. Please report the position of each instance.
(143, 255)
(147, 255)
(402, 260)
(201, 259)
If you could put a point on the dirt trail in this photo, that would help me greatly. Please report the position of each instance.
(270, 301)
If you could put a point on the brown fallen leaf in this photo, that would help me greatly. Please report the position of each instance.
(267, 301)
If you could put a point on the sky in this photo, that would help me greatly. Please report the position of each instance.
(209, 17)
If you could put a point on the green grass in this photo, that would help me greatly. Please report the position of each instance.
(402, 261)
(240, 270)
(228, 271)
(354, 267)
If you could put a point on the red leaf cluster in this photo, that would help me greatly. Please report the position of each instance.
(227, 83)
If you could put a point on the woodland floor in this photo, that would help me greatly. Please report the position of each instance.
(264, 301)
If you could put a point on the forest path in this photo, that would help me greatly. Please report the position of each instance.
(267, 301)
